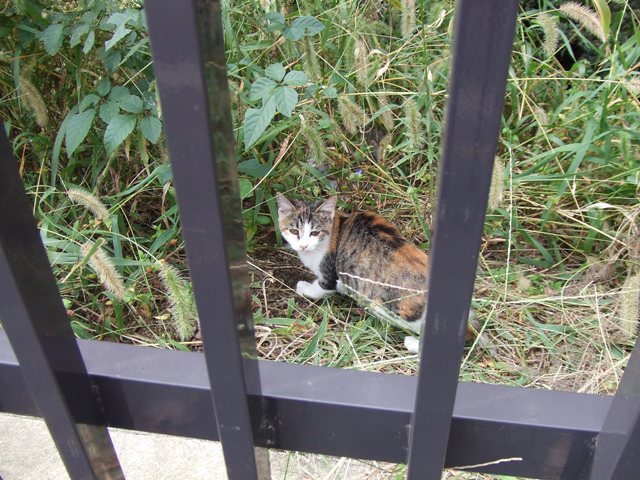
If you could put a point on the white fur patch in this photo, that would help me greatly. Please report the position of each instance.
(312, 290)
(412, 344)
(313, 258)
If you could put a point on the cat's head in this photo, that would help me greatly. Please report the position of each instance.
(305, 226)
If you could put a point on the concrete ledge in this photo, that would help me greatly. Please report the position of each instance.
(27, 452)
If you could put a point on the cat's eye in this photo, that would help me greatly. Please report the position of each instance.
(294, 231)
(315, 233)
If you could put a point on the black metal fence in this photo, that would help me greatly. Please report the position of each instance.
(226, 394)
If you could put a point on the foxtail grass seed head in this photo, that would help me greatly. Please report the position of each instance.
(585, 17)
(549, 26)
(496, 192)
(88, 200)
(413, 119)
(360, 52)
(408, 19)
(541, 116)
(387, 116)
(105, 269)
(310, 62)
(33, 100)
(182, 307)
(633, 85)
(353, 117)
(383, 145)
(313, 139)
(629, 304)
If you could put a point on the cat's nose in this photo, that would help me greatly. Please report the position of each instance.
(303, 247)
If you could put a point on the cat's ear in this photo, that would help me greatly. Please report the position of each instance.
(285, 207)
(328, 207)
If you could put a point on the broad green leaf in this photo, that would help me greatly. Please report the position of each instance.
(112, 59)
(151, 128)
(269, 106)
(108, 111)
(77, 129)
(293, 33)
(131, 103)
(103, 87)
(118, 92)
(90, 16)
(52, 38)
(120, 32)
(254, 168)
(255, 123)
(78, 32)
(89, 100)
(142, 43)
(119, 128)
(275, 21)
(89, 41)
(309, 25)
(275, 72)
(286, 99)
(122, 18)
(245, 188)
(330, 92)
(295, 77)
(261, 89)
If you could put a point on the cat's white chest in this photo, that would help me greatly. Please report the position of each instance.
(312, 260)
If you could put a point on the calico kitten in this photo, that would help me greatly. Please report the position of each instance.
(361, 255)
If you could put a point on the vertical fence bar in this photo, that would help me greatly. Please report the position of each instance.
(482, 50)
(40, 334)
(617, 449)
(190, 65)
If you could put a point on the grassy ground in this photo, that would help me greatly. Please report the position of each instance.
(347, 97)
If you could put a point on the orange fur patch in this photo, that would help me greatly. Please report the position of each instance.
(412, 255)
(378, 221)
(411, 306)
(335, 230)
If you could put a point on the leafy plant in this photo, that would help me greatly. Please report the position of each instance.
(275, 91)
(303, 26)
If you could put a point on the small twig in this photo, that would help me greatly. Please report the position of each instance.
(264, 294)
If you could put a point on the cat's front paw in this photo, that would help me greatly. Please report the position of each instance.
(303, 288)
(412, 344)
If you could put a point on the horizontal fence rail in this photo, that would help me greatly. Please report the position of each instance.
(548, 434)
